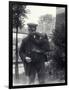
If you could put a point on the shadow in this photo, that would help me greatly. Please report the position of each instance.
(6, 86)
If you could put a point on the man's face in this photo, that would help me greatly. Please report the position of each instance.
(32, 29)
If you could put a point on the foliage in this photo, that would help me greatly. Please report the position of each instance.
(59, 36)
(59, 41)
(19, 12)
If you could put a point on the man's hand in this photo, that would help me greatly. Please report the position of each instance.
(28, 59)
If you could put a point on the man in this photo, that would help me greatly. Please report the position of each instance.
(33, 54)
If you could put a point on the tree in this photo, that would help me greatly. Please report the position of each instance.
(19, 13)
(59, 41)
(59, 36)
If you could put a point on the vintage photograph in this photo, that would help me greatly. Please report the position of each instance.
(38, 46)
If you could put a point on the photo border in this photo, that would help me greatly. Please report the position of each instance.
(11, 44)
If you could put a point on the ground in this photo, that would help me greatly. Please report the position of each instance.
(52, 76)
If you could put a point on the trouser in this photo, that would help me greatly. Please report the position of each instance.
(38, 68)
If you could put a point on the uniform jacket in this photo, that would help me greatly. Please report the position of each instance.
(34, 46)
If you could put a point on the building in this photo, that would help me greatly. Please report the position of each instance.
(46, 25)
(60, 16)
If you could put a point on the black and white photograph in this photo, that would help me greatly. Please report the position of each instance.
(37, 44)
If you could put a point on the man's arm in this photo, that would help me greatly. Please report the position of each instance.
(22, 51)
